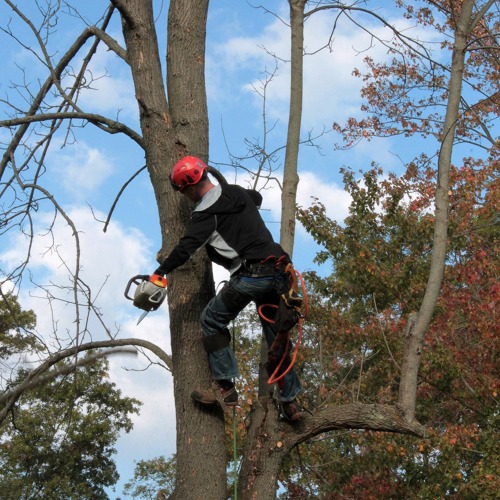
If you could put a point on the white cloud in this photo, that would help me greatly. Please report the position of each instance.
(81, 170)
(108, 260)
(330, 93)
(330, 194)
(154, 428)
(112, 96)
(112, 91)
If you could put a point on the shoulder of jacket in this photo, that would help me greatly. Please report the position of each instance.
(209, 199)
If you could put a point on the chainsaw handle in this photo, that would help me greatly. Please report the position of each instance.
(158, 280)
(136, 280)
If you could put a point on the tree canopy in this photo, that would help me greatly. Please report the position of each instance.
(357, 317)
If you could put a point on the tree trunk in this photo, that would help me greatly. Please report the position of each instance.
(261, 458)
(290, 176)
(171, 131)
(415, 336)
(260, 466)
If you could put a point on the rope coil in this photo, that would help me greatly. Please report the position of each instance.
(292, 301)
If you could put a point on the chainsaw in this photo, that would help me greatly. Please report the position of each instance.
(150, 292)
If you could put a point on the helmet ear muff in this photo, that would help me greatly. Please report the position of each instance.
(175, 187)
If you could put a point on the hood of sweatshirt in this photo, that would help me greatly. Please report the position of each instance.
(224, 199)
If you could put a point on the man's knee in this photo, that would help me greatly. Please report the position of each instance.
(217, 314)
(233, 300)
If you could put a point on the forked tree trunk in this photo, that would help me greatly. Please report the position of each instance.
(290, 176)
(269, 440)
(172, 130)
(414, 338)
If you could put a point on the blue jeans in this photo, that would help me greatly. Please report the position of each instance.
(236, 294)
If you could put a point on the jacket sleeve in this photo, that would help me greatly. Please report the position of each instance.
(200, 228)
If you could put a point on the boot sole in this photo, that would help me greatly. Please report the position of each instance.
(196, 396)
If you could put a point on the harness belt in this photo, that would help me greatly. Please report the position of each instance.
(265, 267)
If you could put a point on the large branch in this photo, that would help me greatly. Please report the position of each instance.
(55, 75)
(10, 397)
(372, 417)
(111, 126)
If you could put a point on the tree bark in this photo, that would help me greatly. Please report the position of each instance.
(201, 452)
(172, 130)
(260, 465)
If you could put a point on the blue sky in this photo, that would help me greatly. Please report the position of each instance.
(90, 172)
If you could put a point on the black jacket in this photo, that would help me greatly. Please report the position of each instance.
(227, 222)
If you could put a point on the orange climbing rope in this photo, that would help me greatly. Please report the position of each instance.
(289, 299)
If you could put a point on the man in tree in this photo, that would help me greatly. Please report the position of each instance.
(227, 222)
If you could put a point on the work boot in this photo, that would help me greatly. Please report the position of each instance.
(218, 394)
(291, 411)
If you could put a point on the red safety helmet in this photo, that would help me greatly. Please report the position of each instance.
(187, 172)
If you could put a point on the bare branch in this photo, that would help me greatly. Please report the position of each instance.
(10, 397)
(119, 195)
(54, 77)
(106, 124)
(110, 42)
(412, 43)
(59, 209)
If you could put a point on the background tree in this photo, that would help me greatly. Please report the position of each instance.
(59, 442)
(152, 477)
(374, 256)
(16, 326)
